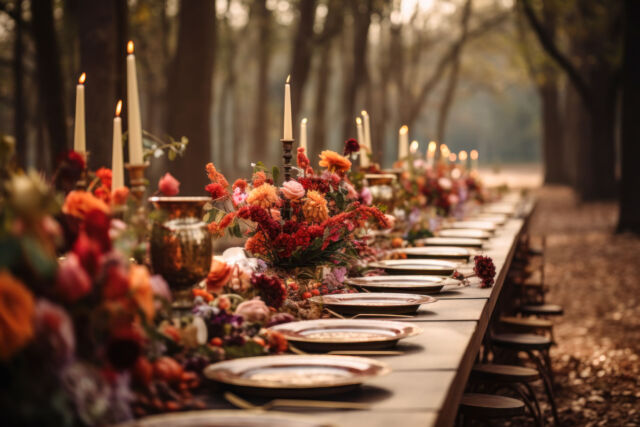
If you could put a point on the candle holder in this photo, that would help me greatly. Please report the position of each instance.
(137, 181)
(81, 183)
(287, 147)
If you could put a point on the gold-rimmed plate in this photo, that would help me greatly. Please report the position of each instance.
(477, 225)
(373, 302)
(465, 233)
(416, 266)
(412, 284)
(226, 418)
(324, 335)
(435, 252)
(295, 375)
(496, 219)
(451, 241)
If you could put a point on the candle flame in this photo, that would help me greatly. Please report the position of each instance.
(444, 148)
(288, 78)
(130, 47)
(304, 121)
(404, 129)
(474, 154)
(414, 146)
(452, 157)
(462, 155)
(364, 113)
(83, 78)
(432, 146)
(358, 121)
(118, 108)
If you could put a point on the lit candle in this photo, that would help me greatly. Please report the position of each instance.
(413, 148)
(431, 153)
(474, 159)
(117, 165)
(367, 130)
(133, 110)
(303, 134)
(403, 143)
(79, 134)
(444, 153)
(288, 130)
(452, 158)
(364, 155)
(463, 158)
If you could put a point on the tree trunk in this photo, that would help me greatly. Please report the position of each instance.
(96, 23)
(190, 91)
(629, 219)
(552, 140)
(447, 99)
(49, 78)
(260, 142)
(18, 92)
(302, 51)
(361, 10)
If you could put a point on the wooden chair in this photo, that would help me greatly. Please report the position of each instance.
(483, 407)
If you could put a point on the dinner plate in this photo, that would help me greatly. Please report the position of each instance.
(373, 302)
(295, 375)
(416, 266)
(404, 284)
(225, 418)
(478, 225)
(345, 334)
(496, 219)
(438, 252)
(464, 232)
(500, 208)
(451, 241)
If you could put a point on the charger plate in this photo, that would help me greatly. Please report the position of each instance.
(435, 252)
(295, 375)
(416, 266)
(470, 233)
(415, 284)
(324, 335)
(373, 302)
(226, 418)
(451, 241)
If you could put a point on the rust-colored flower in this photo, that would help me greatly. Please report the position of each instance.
(315, 207)
(215, 176)
(259, 178)
(240, 183)
(256, 244)
(119, 196)
(141, 290)
(78, 203)
(219, 275)
(16, 315)
(265, 196)
(334, 162)
(105, 175)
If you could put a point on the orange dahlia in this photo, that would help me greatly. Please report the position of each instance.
(256, 244)
(315, 207)
(16, 315)
(334, 161)
(78, 203)
(219, 275)
(265, 196)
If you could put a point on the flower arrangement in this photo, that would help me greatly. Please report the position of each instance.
(309, 221)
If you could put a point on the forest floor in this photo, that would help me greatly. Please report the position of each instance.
(595, 275)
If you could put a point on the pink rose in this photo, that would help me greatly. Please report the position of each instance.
(168, 185)
(275, 214)
(253, 311)
(72, 281)
(391, 219)
(453, 199)
(366, 197)
(292, 190)
(351, 192)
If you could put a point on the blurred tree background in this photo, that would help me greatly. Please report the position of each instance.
(520, 80)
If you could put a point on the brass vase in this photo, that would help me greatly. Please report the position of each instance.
(181, 246)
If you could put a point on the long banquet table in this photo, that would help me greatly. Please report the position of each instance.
(427, 381)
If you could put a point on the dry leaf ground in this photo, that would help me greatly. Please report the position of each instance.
(595, 275)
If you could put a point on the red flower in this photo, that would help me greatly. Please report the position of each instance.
(217, 191)
(105, 175)
(270, 288)
(103, 194)
(96, 225)
(351, 146)
(124, 346)
(116, 280)
(168, 185)
(262, 218)
(88, 252)
(240, 183)
(284, 244)
(302, 159)
(76, 160)
(119, 195)
(485, 269)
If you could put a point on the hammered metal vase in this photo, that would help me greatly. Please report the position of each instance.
(181, 246)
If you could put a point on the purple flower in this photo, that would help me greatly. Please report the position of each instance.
(55, 331)
(334, 277)
(160, 287)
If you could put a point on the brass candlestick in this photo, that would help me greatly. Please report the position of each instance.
(137, 181)
(81, 183)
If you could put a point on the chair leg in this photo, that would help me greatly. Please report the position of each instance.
(535, 412)
(527, 386)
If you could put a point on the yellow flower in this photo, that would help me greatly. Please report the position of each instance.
(16, 315)
(334, 161)
(265, 196)
(315, 207)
